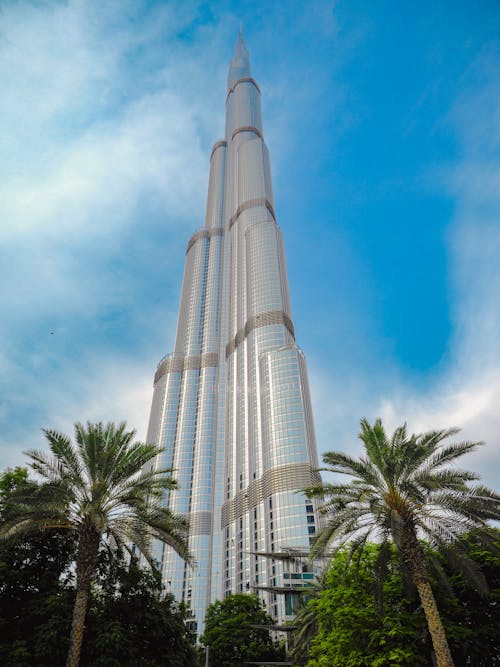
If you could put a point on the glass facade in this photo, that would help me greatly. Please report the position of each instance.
(231, 404)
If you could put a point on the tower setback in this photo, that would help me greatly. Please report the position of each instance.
(231, 404)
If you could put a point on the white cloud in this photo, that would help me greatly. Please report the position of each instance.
(112, 390)
(93, 154)
(99, 180)
(95, 389)
(101, 162)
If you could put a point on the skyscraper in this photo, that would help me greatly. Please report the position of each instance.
(231, 404)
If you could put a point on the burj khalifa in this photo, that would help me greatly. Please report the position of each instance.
(231, 405)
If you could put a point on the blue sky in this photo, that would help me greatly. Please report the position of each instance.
(383, 122)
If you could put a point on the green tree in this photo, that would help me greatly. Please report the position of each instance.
(402, 490)
(470, 619)
(103, 487)
(131, 622)
(305, 622)
(10, 480)
(232, 633)
(364, 621)
(36, 594)
(363, 618)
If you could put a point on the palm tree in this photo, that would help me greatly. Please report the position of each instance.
(103, 490)
(305, 622)
(402, 490)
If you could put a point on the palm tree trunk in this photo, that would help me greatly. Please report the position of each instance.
(86, 560)
(439, 641)
(415, 558)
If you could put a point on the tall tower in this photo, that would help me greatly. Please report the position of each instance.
(231, 404)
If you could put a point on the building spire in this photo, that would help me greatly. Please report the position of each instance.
(240, 62)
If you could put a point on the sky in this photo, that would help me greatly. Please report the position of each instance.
(383, 123)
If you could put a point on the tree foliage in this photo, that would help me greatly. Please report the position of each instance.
(368, 617)
(100, 494)
(36, 594)
(365, 621)
(305, 622)
(402, 489)
(471, 618)
(130, 621)
(232, 634)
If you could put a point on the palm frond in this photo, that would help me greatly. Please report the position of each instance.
(478, 503)
(451, 453)
(64, 452)
(87, 440)
(344, 464)
(432, 439)
(145, 485)
(436, 569)
(128, 530)
(449, 478)
(137, 457)
(376, 445)
(402, 487)
(46, 465)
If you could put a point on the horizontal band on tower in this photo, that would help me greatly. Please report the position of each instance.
(247, 128)
(260, 320)
(203, 234)
(178, 364)
(200, 523)
(290, 477)
(217, 145)
(245, 79)
(252, 203)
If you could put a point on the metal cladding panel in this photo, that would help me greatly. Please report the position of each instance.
(162, 422)
(230, 427)
(231, 195)
(211, 315)
(245, 108)
(234, 281)
(268, 180)
(156, 414)
(241, 284)
(189, 328)
(215, 198)
(285, 408)
(241, 440)
(288, 477)
(284, 276)
(251, 180)
(202, 466)
(308, 413)
(266, 291)
(184, 447)
(260, 338)
(166, 398)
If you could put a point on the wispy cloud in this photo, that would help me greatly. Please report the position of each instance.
(466, 390)
(92, 388)
(103, 179)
